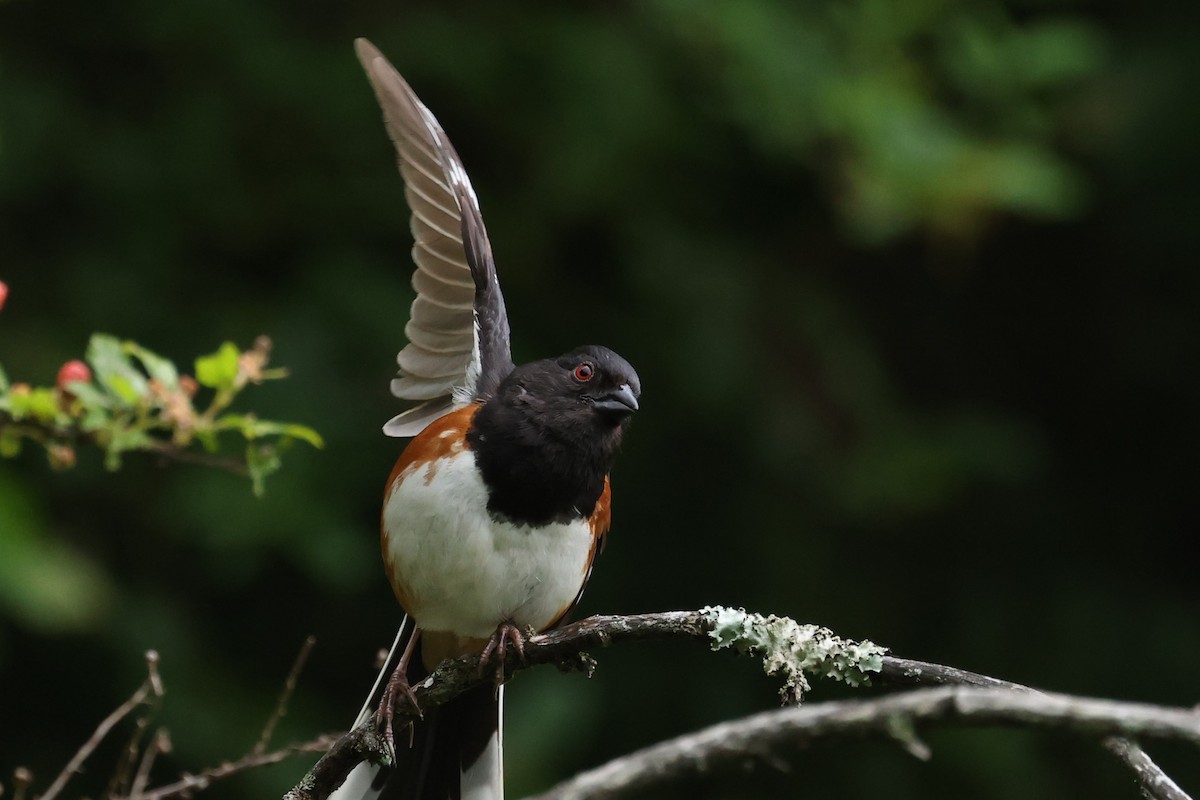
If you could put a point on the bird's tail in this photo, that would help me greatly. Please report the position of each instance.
(365, 781)
(456, 752)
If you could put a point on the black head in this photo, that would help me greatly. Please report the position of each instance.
(547, 438)
(590, 386)
(601, 380)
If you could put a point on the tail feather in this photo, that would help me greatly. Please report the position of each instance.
(403, 633)
(366, 781)
(457, 748)
(456, 753)
(483, 777)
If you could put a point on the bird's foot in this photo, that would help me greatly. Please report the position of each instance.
(398, 696)
(497, 648)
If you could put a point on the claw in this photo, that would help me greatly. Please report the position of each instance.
(497, 646)
(398, 694)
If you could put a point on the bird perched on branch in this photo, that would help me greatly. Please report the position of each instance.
(496, 509)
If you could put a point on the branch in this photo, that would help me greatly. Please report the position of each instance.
(150, 688)
(772, 737)
(189, 784)
(289, 687)
(140, 758)
(1155, 784)
(564, 648)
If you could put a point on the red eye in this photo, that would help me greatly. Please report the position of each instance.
(584, 372)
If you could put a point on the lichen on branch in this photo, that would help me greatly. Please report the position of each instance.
(792, 650)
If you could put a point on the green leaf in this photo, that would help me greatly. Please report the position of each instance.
(125, 390)
(95, 404)
(157, 367)
(304, 434)
(44, 404)
(94, 418)
(207, 439)
(3, 379)
(242, 423)
(262, 461)
(253, 428)
(41, 404)
(122, 440)
(129, 439)
(115, 370)
(88, 394)
(219, 370)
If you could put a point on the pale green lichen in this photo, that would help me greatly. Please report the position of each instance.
(792, 650)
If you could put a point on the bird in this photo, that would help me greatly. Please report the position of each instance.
(497, 507)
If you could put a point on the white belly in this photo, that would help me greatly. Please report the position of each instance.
(464, 572)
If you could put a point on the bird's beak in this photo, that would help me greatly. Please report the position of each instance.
(620, 401)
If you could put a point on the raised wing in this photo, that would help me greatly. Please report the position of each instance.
(457, 330)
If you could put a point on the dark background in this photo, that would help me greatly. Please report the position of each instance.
(911, 287)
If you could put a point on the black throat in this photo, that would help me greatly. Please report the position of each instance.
(541, 468)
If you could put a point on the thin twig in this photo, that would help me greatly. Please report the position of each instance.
(171, 452)
(152, 687)
(22, 778)
(202, 780)
(160, 743)
(289, 687)
(122, 774)
(151, 691)
(41, 432)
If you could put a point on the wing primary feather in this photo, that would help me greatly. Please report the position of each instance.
(416, 419)
(422, 388)
(452, 252)
(416, 362)
(455, 341)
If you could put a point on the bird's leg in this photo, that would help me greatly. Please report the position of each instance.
(398, 691)
(506, 633)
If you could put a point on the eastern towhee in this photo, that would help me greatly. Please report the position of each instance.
(497, 507)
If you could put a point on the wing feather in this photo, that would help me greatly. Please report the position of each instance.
(457, 331)
(443, 292)
(418, 361)
(422, 388)
(417, 418)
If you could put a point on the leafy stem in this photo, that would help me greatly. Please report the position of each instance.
(128, 398)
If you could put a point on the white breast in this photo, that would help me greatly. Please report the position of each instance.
(463, 571)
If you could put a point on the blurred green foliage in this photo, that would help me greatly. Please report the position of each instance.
(139, 401)
(911, 287)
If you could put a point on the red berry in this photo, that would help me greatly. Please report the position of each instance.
(3, 293)
(73, 371)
